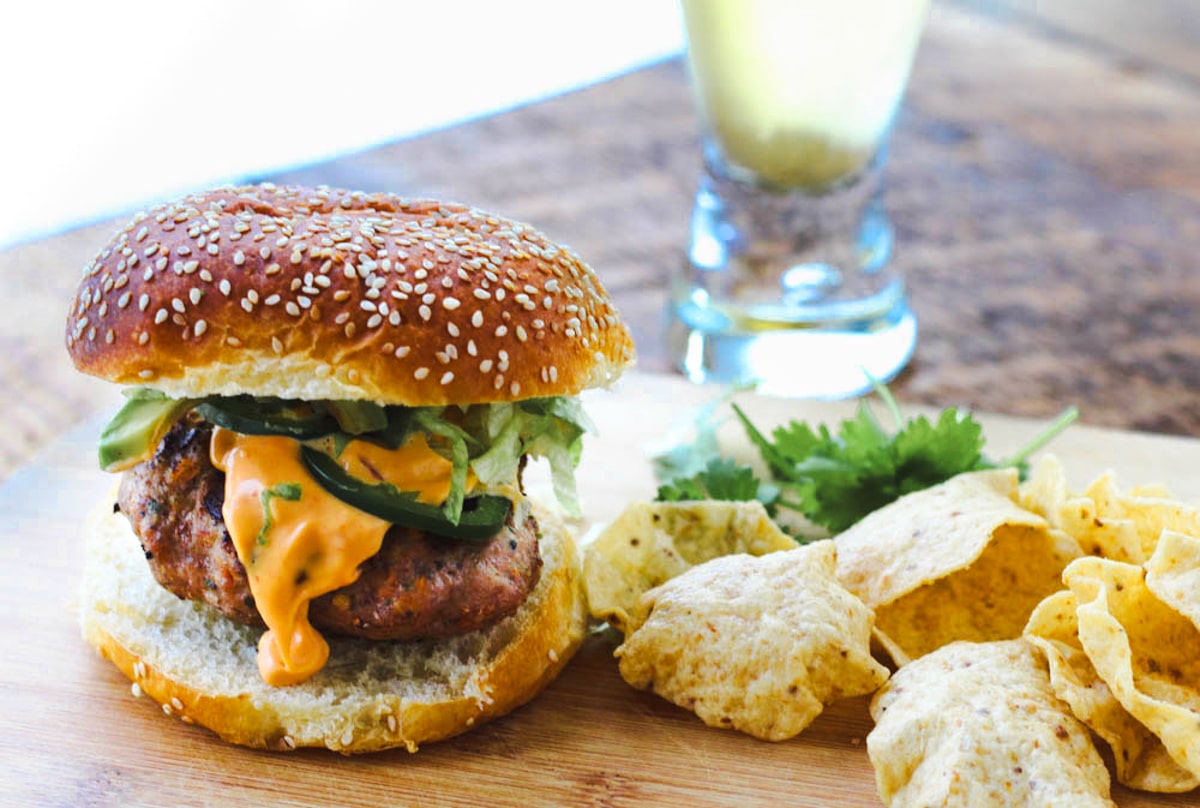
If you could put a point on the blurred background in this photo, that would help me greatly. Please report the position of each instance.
(1044, 176)
(113, 106)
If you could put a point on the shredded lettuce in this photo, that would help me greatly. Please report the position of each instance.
(491, 439)
(431, 420)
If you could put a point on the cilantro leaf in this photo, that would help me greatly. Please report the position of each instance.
(836, 478)
(288, 491)
(722, 479)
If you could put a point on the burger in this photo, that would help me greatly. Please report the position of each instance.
(321, 535)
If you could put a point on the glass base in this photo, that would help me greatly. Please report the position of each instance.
(795, 292)
(828, 360)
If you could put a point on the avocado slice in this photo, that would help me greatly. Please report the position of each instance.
(138, 427)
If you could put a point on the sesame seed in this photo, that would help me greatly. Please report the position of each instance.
(374, 321)
(501, 330)
(485, 366)
(272, 300)
(143, 338)
(420, 373)
(194, 296)
(136, 690)
(482, 294)
(450, 303)
(146, 374)
(402, 351)
(276, 345)
(477, 319)
(515, 388)
(124, 299)
(239, 258)
(200, 327)
(291, 308)
(160, 316)
(425, 313)
(521, 335)
(447, 377)
(247, 305)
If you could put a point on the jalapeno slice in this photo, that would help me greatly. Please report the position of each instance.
(258, 416)
(482, 516)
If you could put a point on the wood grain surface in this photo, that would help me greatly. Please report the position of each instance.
(75, 735)
(1044, 180)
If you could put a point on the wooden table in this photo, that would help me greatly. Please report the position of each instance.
(1044, 181)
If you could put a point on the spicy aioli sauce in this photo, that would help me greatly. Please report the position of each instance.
(296, 541)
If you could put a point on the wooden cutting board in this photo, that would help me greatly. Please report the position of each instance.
(74, 734)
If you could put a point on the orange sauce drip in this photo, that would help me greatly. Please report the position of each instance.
(412, 467)
(313, 544)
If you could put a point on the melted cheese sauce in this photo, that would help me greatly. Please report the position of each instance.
(294, 549)
(412, 467)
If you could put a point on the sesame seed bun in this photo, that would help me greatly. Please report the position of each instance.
(317, 293)
(201, 667)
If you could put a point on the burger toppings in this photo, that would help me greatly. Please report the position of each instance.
(437, 456)
(312, 488)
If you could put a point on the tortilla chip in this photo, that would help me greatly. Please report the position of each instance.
(1173, 574)
(1106, 521)
(1046, 494)
(1140, 759)
(978, 724)
(1145, 651)
(959, 561)
(652, 542)
(759, 645)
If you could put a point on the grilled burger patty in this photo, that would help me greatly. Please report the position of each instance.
(417, 586)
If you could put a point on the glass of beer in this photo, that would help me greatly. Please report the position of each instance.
(788, 281)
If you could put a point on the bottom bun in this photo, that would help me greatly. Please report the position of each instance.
(202, 668)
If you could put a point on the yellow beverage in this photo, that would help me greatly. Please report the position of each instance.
(800, 94)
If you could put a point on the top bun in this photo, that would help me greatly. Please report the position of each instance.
(318, 293)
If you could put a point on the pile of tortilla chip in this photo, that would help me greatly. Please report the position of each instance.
(1123, 637)
(1024, 620)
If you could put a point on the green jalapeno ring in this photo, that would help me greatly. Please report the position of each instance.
(250, 416)
(482, 516)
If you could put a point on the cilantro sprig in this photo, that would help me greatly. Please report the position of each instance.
(835, 478)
